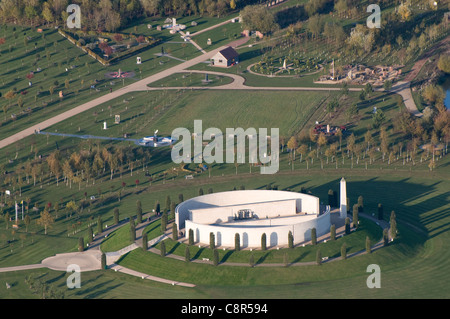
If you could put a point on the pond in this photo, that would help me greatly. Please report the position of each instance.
(446, 87)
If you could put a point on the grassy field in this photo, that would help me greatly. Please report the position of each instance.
(417, 258)
(191, 79)
(415, 266)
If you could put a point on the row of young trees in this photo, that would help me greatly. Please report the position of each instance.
(433, 128)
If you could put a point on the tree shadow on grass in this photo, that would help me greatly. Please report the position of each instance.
(226, 256)
(172, 250)
(199, 252)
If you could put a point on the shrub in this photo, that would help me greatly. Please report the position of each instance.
(187, 254)
(333, 232)
(252, 261)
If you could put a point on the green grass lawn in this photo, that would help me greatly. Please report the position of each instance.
(192, 79)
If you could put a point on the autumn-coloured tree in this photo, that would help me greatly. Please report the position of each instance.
(46, 220)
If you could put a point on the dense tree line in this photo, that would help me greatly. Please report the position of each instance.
(109, 15)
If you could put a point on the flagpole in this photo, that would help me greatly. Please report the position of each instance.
(333, 69)
(16, 214)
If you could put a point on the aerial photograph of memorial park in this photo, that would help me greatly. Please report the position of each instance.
(224, 149)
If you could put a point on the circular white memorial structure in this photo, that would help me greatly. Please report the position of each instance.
(252, 213)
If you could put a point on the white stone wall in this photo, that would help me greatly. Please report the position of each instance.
(215, 215)
(200, 212)
(251, 236)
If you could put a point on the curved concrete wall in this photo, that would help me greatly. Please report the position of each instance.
(235, 200)
(250, 232)
(250, 236)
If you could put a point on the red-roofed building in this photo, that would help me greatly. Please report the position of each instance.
(225, 58)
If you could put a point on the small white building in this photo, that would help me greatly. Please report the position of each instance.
(225, 58)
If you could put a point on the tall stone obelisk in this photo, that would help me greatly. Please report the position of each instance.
(343, 196)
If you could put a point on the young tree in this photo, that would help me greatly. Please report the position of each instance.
(344, 251)
(215, 257)
(290, 240)
(157, 208)
(187, 254)
(163, 249)
(174, 231)
(318, 257)
(360, 203)
(103, 261)
(380, 211)
(116, 216)
(132, 230)
(251, 261)
(347, 226)
(164, 222)
(80, 244)
(191, 237)
(145, 241)
(45, 220)
(212, 240)
(368, 245)
(139, 211)
(385, 237)
(355, 216)
(27, 222)
(237, 242)
(333, 232)
(90, 234)
(263, 241)
(313, 236)
(331, 198)
(168, 201)
(99, 225)
(393, 225)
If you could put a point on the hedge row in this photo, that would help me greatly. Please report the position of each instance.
(150, 42)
